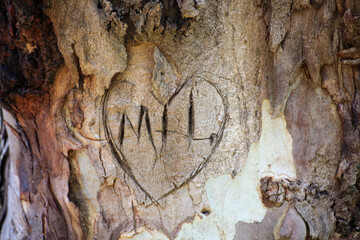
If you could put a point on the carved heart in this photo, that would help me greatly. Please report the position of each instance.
(161, 147)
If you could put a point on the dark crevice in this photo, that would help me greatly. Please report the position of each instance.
(4, 170)
(191, 120)
(37, 142)
(148, 127)
(212, 138)
(99, 5)
(206, 211)
(283, 41)
(164, 127)
(122, 130)
(78, 67)
(141, 116)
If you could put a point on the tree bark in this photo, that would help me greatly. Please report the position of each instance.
(186, 119)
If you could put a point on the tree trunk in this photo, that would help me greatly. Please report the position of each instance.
(186, 119)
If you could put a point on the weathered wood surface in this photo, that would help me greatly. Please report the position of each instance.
(186, 119)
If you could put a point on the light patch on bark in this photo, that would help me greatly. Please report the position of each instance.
(239, 199)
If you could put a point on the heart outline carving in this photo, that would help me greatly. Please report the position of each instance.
(125, 164)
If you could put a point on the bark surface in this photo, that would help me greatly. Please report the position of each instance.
(186, 119)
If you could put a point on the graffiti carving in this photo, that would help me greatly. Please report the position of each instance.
(163, 138)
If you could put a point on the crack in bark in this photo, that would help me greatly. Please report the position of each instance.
(164, 128)
(102, 162)
(148, 128)
(78, 67)
(191, 119)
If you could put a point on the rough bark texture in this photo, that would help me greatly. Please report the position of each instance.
(186, 119)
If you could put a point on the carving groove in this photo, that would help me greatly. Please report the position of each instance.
(148, 128)
(191, 118)
(142, 111)
(122, 129)
(164, 127)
